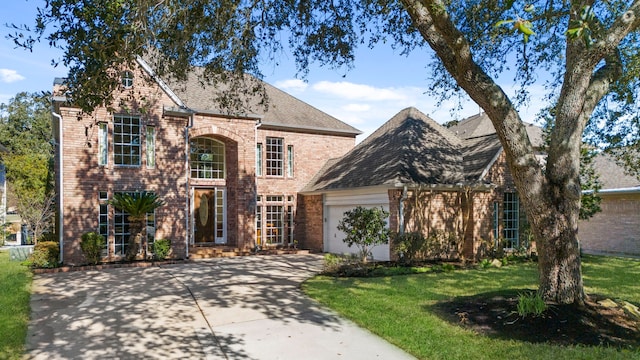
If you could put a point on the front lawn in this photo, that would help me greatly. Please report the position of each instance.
(15, 283)
(401, 308)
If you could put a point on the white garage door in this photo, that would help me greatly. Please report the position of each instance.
(333, 242)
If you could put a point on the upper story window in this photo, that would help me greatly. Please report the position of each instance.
(275, 156)
(126, 140)
(151, 147)
(290, 161)
(102, 144)
(259, 159)
(207, 158)
(127, 79)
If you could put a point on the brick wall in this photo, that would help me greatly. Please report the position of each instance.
(83, 178)
(311, 152)
(310, 222)
(616, 229)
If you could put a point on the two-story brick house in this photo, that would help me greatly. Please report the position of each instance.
(228, 181)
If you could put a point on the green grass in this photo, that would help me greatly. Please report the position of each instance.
(399, 308)
(15, 284)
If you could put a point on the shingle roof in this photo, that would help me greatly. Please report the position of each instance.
(480, 125)
(411, 149)
(612, 175)
(283, 110)
(479, 153)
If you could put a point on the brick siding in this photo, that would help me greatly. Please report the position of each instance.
(616, 229)
(83, 178)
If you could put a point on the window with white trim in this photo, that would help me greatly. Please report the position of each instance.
(103, 220)
(122, 232)
(103, 144)
(274, 156)
(150, 140)
(126, 140)
(207, 159)
(290, 161)
(259, 159)
(511, 220)
(274, 220)
(127, 79)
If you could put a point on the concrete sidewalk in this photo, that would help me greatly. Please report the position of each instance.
(229, 308)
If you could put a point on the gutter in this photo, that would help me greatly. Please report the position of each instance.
(60, 192)
(187, 176)
(401, 210)
(255, 195)
(629, 190)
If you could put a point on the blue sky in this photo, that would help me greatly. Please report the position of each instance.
(380, 84)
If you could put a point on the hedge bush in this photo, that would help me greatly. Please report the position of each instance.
(161, 248)
(92, 244)
(45, 255)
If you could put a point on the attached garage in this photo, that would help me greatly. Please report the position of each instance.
(335, 205)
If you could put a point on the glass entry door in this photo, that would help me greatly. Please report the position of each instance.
(209, 216)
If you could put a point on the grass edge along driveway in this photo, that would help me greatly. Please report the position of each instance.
(398, 308)
(15, 292)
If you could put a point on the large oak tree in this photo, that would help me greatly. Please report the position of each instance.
(589, 51)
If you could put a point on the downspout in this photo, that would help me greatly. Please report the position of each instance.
(255, 195)
(401, 210)
(59, 189)
(187, 175)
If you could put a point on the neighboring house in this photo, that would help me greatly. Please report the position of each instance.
(616, 229)
(428, 179)
(229, 181)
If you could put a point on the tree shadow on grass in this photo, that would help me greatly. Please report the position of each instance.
(494, 314)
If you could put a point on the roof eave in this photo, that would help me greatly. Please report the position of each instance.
(275, 126)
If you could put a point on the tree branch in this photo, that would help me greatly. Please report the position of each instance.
(622, 26)
(600, 83)
(437, 28)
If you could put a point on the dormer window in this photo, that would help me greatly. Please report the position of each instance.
(127, 79)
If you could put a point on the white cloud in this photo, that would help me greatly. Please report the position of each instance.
(356, 107)
(9, 76)
(291, 85)
(353, 91)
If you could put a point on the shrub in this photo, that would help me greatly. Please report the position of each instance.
(161, 248)
(92, 244)
(365, 228)
(410, 246)
(531, 303)
(45, 255)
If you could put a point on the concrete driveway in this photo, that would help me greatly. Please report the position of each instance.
(229, 308)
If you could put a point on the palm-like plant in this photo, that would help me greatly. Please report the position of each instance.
(137, 206)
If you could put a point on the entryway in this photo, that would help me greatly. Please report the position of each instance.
(209, 216)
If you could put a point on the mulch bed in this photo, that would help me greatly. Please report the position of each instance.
(495, 315)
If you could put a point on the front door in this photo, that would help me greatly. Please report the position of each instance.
(209, 216)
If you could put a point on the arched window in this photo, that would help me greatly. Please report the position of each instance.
(207, 158)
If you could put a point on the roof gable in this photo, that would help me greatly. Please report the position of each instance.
(480, 125)
(281, 111)
(410, 148)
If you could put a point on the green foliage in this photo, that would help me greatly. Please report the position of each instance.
(414, 246)
(410, 246)
(409, 320)
(15, 285)
(137, 206)
(161, 248)
(590, 184)
(365, 228)
(25, 130)
(530, 303)
(46, 254)
(485, 263)
(92, 245)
